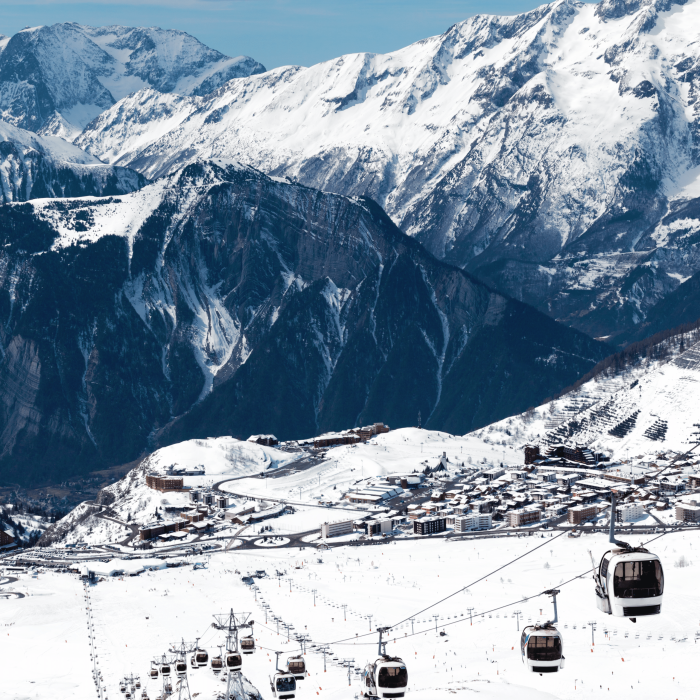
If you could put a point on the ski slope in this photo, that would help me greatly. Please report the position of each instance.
(654, 391)
(136, 618)
(131, 500)
(401, 451)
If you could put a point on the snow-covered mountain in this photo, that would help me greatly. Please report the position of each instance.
(56, 79)
(131, 500)
(641, 403)
(553, 153)
(32, 167)
(245, 304)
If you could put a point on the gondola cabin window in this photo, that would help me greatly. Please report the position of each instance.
(540, 648)
(638, 579)
(286, 684)
(393, 677)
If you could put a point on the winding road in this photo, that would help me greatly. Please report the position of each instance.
(9, 595)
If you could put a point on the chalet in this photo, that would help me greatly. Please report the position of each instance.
(567, 479)
(628, 512)
(581, 513)
(186, 471)
(371, 430)
(192, 516)
(694, 481)
(494, 473)
(332, 439)
(532, 453)
(338, 527)
(267, 440)
(429, 525)
(688, 512)
(523, 516)
(474, 521)
(164, 483)
(582, 455)
(161, 527)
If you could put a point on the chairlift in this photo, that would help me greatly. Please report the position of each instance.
(217, 663)
(541, 646)
(387, 677)
(297, 667)
(629, 581)
(283, 684)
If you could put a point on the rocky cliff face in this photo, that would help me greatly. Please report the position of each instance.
(32, 167)
(550, 153)
(56, 79)
(221, 301)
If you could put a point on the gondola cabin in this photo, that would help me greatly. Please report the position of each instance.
(542, 649)
(630, 583)
(165, 670)
(297, 667)
(234, 661)
(154, 673)
(248, 645)
(181, 668)
(217, 663)
(283, 686)
(199, 658)
(386, 678)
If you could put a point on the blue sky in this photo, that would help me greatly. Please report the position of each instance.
(274, 32)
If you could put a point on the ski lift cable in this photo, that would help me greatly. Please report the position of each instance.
(464, 588)
(501, 607)
(486, 612)
(495, 571)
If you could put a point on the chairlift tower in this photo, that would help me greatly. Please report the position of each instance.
(166, 662)
(232, 623)
(181, 650)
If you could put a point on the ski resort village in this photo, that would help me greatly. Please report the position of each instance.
(426, 561)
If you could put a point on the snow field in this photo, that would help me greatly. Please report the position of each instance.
(136, 618)
(660, 390)
(44, 645)
(400, 451)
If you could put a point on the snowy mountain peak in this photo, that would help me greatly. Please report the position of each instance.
(616, 9)
(58, 78)
(33, 166)
(541, 151)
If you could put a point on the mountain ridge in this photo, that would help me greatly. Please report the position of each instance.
(33, 167)
(56, 79)
(253, 304)
(545, 152)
